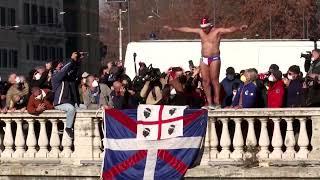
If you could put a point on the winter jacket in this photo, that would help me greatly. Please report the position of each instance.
(248, 93)
(276, 95)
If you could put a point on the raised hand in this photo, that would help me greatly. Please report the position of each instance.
(168, 28)
(243, 27)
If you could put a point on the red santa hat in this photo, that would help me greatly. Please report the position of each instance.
(205, 22)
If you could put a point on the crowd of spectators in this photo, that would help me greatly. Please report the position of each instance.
(60, 85)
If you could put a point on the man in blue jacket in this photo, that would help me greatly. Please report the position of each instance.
(64, 88)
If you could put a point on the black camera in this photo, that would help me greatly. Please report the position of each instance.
(306, 56)
(153, 74)
(82, 54)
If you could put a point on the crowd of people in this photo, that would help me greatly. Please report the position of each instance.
(60, 85)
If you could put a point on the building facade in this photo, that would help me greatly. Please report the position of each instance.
(82, 31)
(31, 33)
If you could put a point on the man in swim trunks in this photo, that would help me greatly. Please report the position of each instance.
(210, 61)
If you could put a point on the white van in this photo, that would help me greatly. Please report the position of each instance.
(240, 54)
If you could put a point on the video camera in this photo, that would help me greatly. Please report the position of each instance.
(152, 74)
(307, 55)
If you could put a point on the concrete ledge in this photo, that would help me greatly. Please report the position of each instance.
(203, 172)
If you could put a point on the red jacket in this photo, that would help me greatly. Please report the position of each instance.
(276, 95)
(34, 103)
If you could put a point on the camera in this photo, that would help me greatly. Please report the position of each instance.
(153, 74)
(307, 55)
(82, 54)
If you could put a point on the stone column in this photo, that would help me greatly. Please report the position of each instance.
(315, 140)
(225, 140)
(31, 140)
(83, 139)
(214, 141)
(277, 141)
(43, 139)
(303, 140)
(237, 140)
(8, 140)
(19, 140)
(264, 140)
(54, 140)
(96, 140)
(205, 157)
(290, 141)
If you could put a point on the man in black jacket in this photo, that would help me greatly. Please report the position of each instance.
(64, 88)
(313, 80)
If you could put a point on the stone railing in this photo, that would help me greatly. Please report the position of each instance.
(269, 135)
(27, 137)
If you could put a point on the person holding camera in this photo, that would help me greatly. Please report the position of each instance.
(17, 95)
(64, 88)
(312, 86)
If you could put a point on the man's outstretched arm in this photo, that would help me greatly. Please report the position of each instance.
(183, 29)
(232, 29)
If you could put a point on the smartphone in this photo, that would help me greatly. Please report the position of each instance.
(191, 64)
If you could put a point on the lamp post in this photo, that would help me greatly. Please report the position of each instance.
(120, 31)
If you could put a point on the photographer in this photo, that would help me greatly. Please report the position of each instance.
(312, 87)
(17, 95)
(64, 88)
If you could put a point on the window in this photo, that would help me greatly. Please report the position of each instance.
(53, 53)
(36, 52)
(11, 17)
(2, 16)
(28, 52)
(44, 53)
(4, 58)
(26, 13)
(43, 15)
(50, 16)
(56, 17)
(60, 53)
(15, 58)
(34, 14)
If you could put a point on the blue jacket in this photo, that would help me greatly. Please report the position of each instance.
(295, 95)
(249, 96)
(227, 86)
(63, 84)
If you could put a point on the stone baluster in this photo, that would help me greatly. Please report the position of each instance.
(214, 141)
(96, 139)
(1, 140)
(54, 140)
(238, 141)
(43, 141)
(225, 140)
(66, 143)
(8, 140)
(303, 140)
(31, 140)
(277, 141)
(264, 140)
(19, 140)
(206, 157)
(315, 140)
(251, 136)
(289, 141)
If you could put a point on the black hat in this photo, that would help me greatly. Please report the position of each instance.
(277, 74)
(230, 71)
(273, 67)
(295, 69)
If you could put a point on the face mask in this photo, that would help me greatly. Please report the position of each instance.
(312, 59)
(234, 93)
(41, 96)
(95, 84)
(230, 77)
(84, 81)
(290, 77)
(18, 80)
(37, 76)
(243, 78)
(173, 92)
(271, 79)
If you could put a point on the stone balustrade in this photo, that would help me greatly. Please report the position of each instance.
(233, 136)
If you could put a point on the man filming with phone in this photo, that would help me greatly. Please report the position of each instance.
(64, 87)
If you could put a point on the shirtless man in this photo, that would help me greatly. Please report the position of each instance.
(210, 60)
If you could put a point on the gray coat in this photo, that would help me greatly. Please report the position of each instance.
(103, 94)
